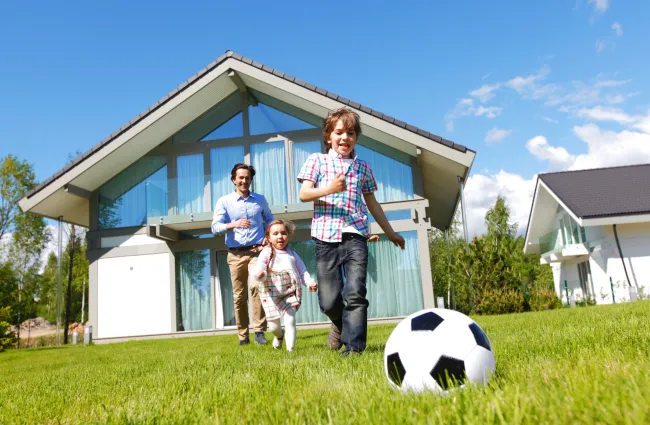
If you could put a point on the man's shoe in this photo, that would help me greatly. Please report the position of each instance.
(244, 341)
(260, 339)
(334, 338)
(277, 342)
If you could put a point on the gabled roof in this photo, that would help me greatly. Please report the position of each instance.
(603, 192)
(230, 54)
(595, 197)
(69, 192)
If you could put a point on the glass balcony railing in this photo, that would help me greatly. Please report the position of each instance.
(158, 200)
(570, 233)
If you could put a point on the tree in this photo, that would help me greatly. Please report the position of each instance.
(28, 240)
(442, 248)
(16, 178)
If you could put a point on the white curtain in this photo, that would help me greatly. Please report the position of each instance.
(394, 178)
(301, 152)
(221, 162)
(225, 285)
(191, 183)
(270, 167)
(394, 280)
(193, 291)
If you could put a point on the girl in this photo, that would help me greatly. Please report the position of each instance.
(280, 272)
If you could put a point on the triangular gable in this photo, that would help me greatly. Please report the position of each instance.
(441, 161)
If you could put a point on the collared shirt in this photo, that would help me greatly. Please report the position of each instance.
(231, 208)
(334, 212)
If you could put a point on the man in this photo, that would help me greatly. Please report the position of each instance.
(243, 215)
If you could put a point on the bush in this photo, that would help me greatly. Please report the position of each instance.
(7, 337)
(543, 299)
(501, 301)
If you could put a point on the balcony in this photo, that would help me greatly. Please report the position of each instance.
(568, 240)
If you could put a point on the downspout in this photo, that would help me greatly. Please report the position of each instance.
(620, 253)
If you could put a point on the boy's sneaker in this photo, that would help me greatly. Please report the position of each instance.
(260, 339)
(244, 341)
(334, 338)
(277, 342)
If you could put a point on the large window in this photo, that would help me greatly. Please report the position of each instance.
(394, 281)
(225, 287)
(193, 291)
(190, 183)
(232, 128)
(394, 178)
(264, 119)
(270, 165)
(135, 194)
(221, 162)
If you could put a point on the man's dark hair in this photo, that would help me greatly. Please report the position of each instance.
(241, 166)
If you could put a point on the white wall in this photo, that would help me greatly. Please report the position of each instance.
(605, 262)
(134, 295)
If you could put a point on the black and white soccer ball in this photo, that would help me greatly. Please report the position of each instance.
(437, 350)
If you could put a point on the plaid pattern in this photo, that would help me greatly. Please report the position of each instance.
(338, 210)
(278, 292)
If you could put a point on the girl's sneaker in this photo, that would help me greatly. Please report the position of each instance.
(277, 342)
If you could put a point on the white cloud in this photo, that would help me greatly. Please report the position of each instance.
(611, 83)
(551, 120)
(489, 112)
(485, 92)
(618, 29)
(466, 107)
(610, 148)
(496, 135)
(558, 157)
(600, 5)
(602, 45)
(528, 84)
(481, 193)
(600, 113)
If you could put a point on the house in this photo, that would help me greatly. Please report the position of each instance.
(593, 228)
(146, 193)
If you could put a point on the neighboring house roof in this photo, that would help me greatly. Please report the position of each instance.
(603, 192)
(205, 71)
(594, 197)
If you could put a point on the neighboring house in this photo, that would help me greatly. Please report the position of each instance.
(147, 193)
(593, 228)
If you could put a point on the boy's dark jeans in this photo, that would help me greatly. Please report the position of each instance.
(345, 304)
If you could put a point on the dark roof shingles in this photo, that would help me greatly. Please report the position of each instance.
(603, 192)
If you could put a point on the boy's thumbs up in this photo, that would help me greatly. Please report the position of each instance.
(338, 184)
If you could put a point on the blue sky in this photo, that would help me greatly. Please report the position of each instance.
(531, 87)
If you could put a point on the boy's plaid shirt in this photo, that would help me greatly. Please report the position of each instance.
(334, 212)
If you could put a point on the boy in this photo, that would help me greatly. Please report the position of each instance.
(339, 182)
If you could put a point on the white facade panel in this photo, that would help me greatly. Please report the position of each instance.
(130, 240)
(134, 295)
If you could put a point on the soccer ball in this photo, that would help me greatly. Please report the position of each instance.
(437, 350)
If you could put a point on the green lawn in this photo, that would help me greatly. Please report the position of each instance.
(582, 365)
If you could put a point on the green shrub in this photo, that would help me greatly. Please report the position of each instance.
(501, 301)
(7, 337)
(543, 299)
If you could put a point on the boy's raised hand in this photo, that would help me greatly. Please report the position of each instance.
(338, 184)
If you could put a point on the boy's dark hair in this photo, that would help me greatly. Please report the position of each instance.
(350, 119)
(241, 166)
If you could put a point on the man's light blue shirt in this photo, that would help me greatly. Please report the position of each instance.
(233, 207)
